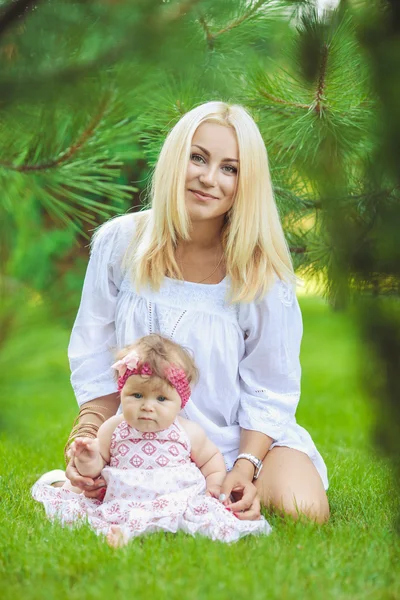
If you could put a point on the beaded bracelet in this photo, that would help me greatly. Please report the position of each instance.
(84, 429)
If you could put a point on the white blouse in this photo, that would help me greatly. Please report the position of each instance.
(247, 354)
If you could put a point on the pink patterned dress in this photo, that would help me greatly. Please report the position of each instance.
(152, 485)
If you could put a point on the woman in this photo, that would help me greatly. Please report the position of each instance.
(208, 266)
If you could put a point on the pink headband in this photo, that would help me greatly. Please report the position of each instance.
(131, 365)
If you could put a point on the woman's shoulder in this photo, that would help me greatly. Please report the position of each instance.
(279, 299)
(118, 233)
(279, 290)
(124, 225)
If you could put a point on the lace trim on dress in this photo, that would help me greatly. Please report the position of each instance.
(285, 292)
(165, 320)
(194, 296)
(273, 416)
(266, 405)
(263, 413)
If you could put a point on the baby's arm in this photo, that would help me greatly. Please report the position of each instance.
(88, 459)
(206, 456)
(92, 454)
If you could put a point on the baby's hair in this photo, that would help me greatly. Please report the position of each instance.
(159, 352)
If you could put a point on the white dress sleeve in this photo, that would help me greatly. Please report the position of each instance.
(93, 336)
(270, 370)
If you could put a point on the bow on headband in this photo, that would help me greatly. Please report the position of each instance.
(131, 365)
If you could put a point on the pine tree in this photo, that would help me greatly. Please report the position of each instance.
(92, 87)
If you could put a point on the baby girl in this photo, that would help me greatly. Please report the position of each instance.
(162, 472)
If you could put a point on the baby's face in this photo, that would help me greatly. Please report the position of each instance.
(149, 403)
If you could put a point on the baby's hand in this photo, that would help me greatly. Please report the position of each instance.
(213, 490)
(85, 449)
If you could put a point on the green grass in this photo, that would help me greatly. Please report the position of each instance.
(354, 556)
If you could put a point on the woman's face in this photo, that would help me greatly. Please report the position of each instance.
(212, 173)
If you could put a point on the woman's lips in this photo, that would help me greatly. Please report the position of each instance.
(202, 197)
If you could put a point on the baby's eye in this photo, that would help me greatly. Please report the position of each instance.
(137, 395)
(161, 398)
(197, 158)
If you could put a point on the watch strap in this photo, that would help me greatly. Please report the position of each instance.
(254, 461)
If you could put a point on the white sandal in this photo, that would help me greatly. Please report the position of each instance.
(55, 476)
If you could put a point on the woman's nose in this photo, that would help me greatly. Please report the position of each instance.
(209, 176)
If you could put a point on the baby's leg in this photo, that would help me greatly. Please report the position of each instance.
(116, 538)
(67, 485)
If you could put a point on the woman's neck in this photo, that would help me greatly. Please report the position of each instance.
(204, 235)
(200, 259)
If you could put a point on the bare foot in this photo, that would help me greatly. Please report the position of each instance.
(68, 486)
(116, 538)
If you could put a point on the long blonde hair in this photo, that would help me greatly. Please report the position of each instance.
(254, 245)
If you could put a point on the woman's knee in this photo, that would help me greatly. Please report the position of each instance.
(316, 509)
(291, 484)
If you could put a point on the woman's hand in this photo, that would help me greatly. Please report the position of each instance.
(92, 488)
(246, 503)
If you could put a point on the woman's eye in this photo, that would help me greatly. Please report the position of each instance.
(230, 168)
(137, 395)
(161, 398)
(197, 158)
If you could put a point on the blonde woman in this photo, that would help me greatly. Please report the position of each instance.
(208, 266)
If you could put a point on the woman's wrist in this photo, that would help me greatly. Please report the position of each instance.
(91, 415)
(86, 424)
(256, 444)
(244, 467)
(80, 430)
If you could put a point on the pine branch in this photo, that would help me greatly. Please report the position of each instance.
(176, 12)
(294, 199)
(211, 37)
(268, 96)
(252, 10)
(15, 10)
(317, 105)
(156, 21)
(321, 80)
(71, 151)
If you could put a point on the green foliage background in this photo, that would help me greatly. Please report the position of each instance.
(90, 88)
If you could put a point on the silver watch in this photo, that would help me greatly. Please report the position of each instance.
(254, 461)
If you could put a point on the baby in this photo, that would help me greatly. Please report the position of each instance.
(162, 472)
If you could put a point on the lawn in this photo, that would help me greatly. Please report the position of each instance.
(354, 556)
